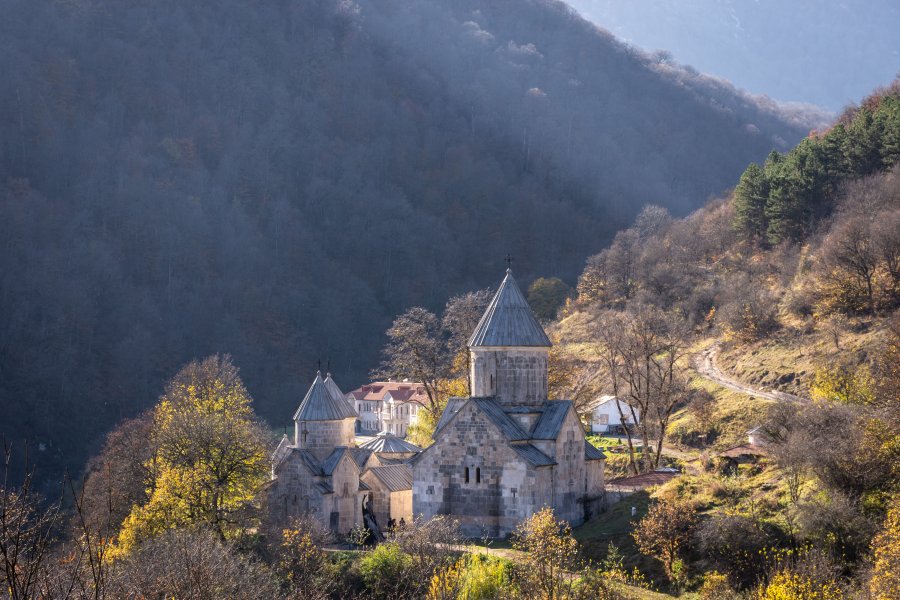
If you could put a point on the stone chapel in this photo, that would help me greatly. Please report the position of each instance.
(322, 474)
(508, 450)
(498, 456)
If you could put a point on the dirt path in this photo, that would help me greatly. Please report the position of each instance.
(705, 363)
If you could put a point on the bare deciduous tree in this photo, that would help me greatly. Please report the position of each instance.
(640, 350)
(461, 316)
(850, 258)
(190, 564)
(416, 350)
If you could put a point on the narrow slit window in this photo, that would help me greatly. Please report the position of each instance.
(467, 474)
(477, 474)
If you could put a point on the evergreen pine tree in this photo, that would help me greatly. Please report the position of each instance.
(864, 144)
(888, 119)
(750, 197)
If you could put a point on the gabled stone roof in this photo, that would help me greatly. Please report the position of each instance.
(554, 413)
(532, 455)
(334, 459)
(305, 456)
(320, 404)
(361, 456)
(388, 442)
(591, 452)
(396, 478)
(503, 421)
(547, 428)
(281, 451)
(453, 406)
(508, 320)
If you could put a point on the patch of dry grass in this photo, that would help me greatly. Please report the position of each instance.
(787, 360)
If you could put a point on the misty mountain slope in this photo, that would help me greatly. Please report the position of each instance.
(827, 52)
(277, 180)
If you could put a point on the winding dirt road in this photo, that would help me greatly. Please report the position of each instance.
(705, 364)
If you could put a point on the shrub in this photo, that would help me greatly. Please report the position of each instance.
(664, 533)
(485, 578)
(733, 544)
(716, 587)
(387, 572)
(794, 586)
(885, 581)
(805, 574)
(302, 564)
(189, 564)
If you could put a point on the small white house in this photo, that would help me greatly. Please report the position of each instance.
(605, 416)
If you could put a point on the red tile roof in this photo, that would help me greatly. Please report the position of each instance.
(401, 391)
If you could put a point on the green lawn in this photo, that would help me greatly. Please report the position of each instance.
(602, 442)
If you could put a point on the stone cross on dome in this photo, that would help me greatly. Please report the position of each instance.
(509, 261)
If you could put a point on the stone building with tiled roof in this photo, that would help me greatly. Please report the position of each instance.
(508, 450)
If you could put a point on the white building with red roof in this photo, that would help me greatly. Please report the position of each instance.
(389, 406)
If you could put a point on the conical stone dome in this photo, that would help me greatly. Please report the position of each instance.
(508, 320)
(323, 404)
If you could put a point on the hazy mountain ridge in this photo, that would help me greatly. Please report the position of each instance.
(784, 49)
(277, 180)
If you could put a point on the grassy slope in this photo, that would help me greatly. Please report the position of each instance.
(735, 412)
(788, 359)
(785, 361)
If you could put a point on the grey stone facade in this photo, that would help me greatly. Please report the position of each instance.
(490, 483)
(508, 451)
(513, 376)
(497, 458)
(322, 474)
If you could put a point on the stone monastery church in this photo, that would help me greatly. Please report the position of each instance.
(497, 457)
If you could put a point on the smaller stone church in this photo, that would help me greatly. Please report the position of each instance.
(322, 474)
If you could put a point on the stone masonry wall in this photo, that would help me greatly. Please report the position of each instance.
(401, 505)
(516, 377)
(509, 488)
(321, 437)
(347, 498)
(293, 494)
(571, 472)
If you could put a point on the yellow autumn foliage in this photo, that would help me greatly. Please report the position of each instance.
(209, 456)
(794, 586)
(885, 582)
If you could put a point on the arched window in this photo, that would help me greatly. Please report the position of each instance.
(477, 474)
(467, 474)
(492, 382)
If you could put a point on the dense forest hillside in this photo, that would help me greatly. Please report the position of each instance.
(276, 180)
